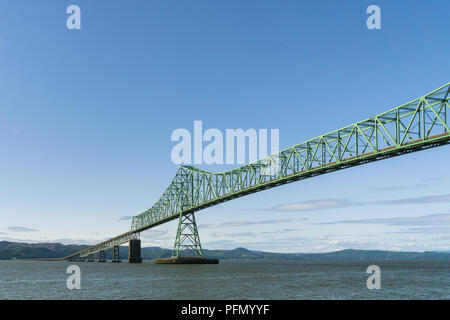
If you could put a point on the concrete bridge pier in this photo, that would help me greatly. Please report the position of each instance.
(90, 258)
(134, 254)
(116, 257)
(75, 258)
(101, 256)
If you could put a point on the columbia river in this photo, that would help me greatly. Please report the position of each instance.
(228, 280)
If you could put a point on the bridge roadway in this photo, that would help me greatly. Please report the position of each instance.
(417, 125)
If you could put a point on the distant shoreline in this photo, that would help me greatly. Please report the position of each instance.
(55, 251)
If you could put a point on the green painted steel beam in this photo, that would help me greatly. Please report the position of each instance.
(417, 125)
(413, 126)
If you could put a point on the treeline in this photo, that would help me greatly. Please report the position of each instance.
(11, 250)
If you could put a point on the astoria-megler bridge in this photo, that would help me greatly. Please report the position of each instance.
(417, 125)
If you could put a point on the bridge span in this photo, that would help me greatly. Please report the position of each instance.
(414, 126)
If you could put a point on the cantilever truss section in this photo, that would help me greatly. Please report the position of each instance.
(414, 126)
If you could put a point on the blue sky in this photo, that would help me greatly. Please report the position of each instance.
(86, 117)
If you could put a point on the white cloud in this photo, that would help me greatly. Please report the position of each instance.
(125, 218)
(314, 205)
(232, 224)
(434, 219)
(322, 204)
(235, 234)
(20, 229)
(154, 233)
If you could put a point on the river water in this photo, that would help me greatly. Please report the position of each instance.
(227, 280)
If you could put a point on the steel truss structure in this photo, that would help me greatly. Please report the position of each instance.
(414, 126)
(187, 241)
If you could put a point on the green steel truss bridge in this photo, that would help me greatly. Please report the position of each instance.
(417, 125)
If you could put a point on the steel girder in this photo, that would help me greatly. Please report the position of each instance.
(417, 125)
(187, 240)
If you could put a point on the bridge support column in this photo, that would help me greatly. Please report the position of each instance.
(101, 256)
(90, 258)
(116, 257)
(135, 251)
(75, 258)
(187, 248)
(187, 241)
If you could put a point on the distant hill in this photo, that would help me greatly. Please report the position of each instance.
(448, 251)
(10, 250)
(349, 254)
